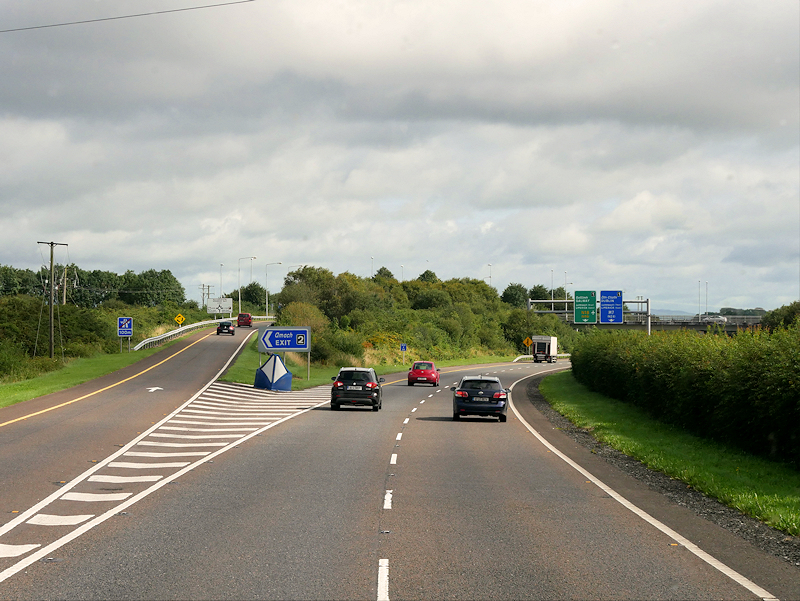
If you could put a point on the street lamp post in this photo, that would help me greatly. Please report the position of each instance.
(402, 279)
(266, 285)
(239, 275)
(490, 275)
(551, 290)
(220, 279)
(372, 267)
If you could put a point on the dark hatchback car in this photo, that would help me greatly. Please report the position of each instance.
(480, 395)
(225, 327)
(357, 386)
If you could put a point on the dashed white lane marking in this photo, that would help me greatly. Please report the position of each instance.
(413, 410)
(387, 500)
(393, 460)
(405, 421)
(44, 519)
(95, 497)
(686, 543)
(16, 550)
(399, 436)
(383, 580)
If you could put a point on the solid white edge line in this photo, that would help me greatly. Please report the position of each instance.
(706, 557)
(383, 580)
(45, 551)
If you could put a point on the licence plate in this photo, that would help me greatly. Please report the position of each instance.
(355, 388)
(422, 378)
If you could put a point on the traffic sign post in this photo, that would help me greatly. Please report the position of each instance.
(124, 330)
(293, 340)
(403, 348)
(585, 306)
(611, 306)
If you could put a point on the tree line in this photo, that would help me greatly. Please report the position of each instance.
(90, 289)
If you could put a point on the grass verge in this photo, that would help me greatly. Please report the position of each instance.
(762, 489)
(76, 371)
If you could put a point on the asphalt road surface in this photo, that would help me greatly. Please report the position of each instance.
(164, 484)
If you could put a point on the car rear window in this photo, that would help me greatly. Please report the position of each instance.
(480, 385)
(355, 376)
(422, 366)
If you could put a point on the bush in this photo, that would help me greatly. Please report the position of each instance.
(742, 390)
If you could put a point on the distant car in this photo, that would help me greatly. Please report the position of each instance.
(244, 319)
(714, 319)
(225, 327)
(423, 372)
(357, 386)
(480, 395)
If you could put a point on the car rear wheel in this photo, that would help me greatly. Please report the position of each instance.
(502, 418)
(334, 407)
(411, 383)
(456, 417)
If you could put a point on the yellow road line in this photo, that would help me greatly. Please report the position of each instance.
(86, 396)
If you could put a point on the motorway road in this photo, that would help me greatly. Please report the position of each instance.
(204, 490)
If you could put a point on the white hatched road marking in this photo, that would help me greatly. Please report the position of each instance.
(44, 519)
(230, 408)
(123, 479)
(15, 550)
(95, 497)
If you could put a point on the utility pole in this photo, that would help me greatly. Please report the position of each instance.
(52, 293)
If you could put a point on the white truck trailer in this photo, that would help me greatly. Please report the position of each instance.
(544, 348)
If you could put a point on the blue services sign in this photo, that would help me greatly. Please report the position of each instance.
(611, 306)
(274, 340)
(124, 327)
(403, 346)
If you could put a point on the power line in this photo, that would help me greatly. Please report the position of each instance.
(159, 12)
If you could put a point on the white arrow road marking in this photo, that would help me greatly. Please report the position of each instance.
(154, 388)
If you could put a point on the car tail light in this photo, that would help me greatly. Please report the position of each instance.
(338, 384)
(499, 395)
(371, 385)
(462, 394)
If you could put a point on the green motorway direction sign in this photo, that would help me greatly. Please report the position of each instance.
(585, 306)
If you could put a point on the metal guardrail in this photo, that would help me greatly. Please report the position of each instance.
(178, 332)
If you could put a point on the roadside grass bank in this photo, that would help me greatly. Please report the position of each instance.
(243, 370)
(76, 371)
(762, 489)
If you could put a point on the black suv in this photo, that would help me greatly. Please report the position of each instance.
(480, 395)
(356, 386)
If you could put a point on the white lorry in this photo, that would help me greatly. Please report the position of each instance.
(544, 348)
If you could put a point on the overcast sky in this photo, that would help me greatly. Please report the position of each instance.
(647, 146)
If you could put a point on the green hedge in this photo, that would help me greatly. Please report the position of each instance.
(742, 390)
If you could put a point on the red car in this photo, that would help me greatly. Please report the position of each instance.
(244, 319)
(423, 372)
